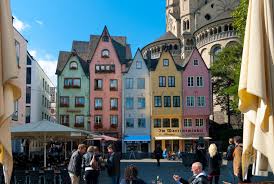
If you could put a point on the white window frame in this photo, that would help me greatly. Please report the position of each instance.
(199, 122)
(190, 80)
(189, 99)
(129, 83)
(138, 64)
(200, 81)
(194, 62)
(187, 122)
(201, 99)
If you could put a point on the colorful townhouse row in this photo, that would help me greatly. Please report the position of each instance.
(143, 102)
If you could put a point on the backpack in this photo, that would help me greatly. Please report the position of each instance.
(94, 163)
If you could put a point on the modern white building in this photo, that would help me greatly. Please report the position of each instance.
(39, 89)
(136, 106)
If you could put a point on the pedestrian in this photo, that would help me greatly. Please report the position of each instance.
(75, 163)
(92, 165)
(214, 164)
(158, 152)
(237, 159)
(131, 176)
(113, 164)
(199, 176)
(229, 158)
(201, 154)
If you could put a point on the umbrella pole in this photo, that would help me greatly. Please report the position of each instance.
(65, 149)
(45, 152)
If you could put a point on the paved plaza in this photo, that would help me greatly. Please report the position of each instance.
(148, 171)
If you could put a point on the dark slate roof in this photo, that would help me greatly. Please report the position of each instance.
(167, 36)
(62, 60)
(81, 47)
(151, 64)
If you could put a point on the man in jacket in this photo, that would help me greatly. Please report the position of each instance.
(75, 163)
(199, 176)
(229, 158)
(237, 159)
(113, 164)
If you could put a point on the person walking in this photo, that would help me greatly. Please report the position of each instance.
(113, 164)
(131, 176)
(199, 176)
(158, 152)
(75, 163)
(214, 164)
(229, 158)
(237, 159)
(92, 161)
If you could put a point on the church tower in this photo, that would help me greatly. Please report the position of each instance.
(173, 22)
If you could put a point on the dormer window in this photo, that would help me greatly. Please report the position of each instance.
(105, 39)
(73, 65)
(165, 62)
(105, 53)
(195, 62)
(138, 64)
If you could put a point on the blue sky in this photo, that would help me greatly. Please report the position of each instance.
(51, 26)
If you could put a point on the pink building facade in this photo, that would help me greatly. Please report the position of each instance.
(197, 97)
(106, 84)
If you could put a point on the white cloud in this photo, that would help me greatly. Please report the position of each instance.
(49, 67)
(33, 53)
(20, 25)
(39, 22)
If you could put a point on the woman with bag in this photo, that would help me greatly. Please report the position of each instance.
(214, 164)
(92, 165)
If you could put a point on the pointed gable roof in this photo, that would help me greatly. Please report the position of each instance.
(130, 62)
(190, 56)
(64, 58)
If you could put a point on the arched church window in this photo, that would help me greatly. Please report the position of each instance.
(214, 52)
(187, 24)
(219, 29)
(226, 28)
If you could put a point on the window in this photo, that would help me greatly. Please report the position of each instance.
(171, 81)
(73, 65)
(129, 83)
(195, 62)
(98, 104)
(79, 121)
(64, 101)
(157, 123)
(105, 53)
(190, 82)
(43, 99)
(72, 83)
(157, 101)
(162, 81)
(141, 103)
(199, 122)
(98, 84)
(43, 83)
(199, 81)
(105, 38)
(28, 94)
(113, 103)
(28, 114)
(113, 85)
(165, 62)
(129, 122)
(80, 101)
(29, 62)
(187, 122)
(138, 64)
(167, 101)
(64, 119)
(113, 121)
(42, 115)
(104, 68)
(15, 113)
(166, 123)
(141, 122)
(190, 101)
(98, 119)
(28, 75)
(175, 123)
(176, 101)
(17, 49)
(129, 103)
(140, 83)
(201, 101)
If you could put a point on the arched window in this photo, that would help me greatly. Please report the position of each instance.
(187, 24)
(230, 27)
(215, 30)
(214, 52)
(105, 53)
(226, 28)
(219, 29)
(184, 25)
(73, 65)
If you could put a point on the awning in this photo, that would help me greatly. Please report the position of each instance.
(137, 138)
(178, 138)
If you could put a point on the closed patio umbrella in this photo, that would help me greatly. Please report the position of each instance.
(9, 91)
(256, 87)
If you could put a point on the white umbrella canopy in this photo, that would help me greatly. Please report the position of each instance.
(256, 87)
(45, 131)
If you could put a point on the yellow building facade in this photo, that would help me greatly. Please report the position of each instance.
(166, 110)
